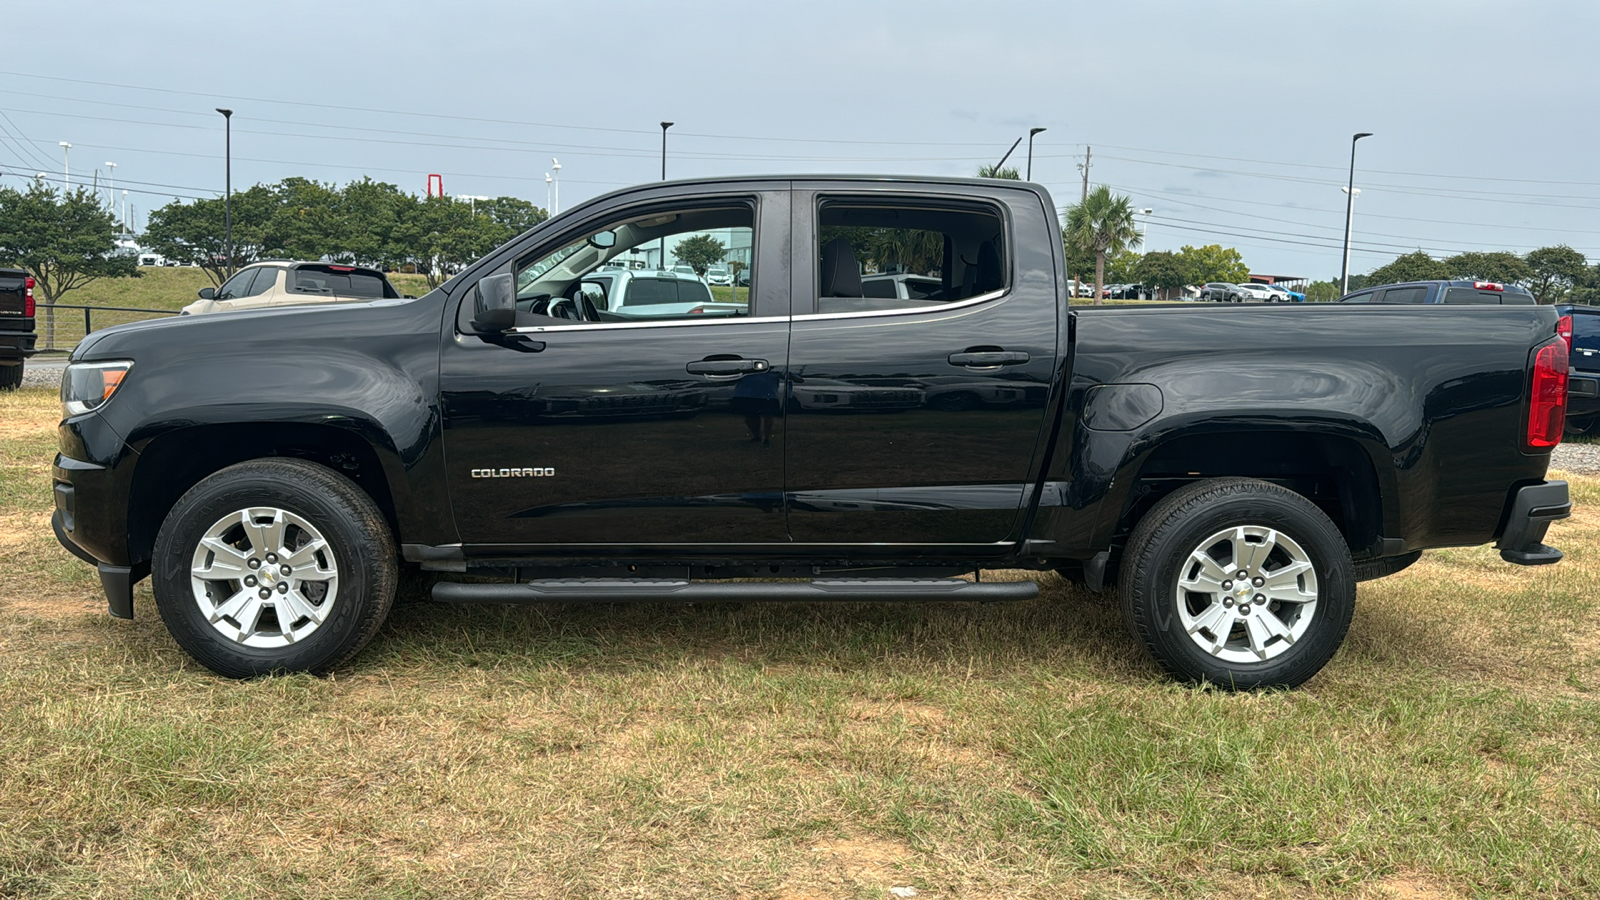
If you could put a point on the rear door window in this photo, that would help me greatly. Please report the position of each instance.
(1414, 294)
(1586, 341)
(1471, 295)
(1363, 297)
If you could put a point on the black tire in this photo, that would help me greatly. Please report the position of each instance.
(1581, 425)
(11, 377)
(1160, 548)
(361, 545)
(1373, 569)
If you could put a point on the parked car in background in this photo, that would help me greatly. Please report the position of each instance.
(1580, 325)
(1260, 293)
(901, 286)
(637, 294)
(719, 276)
(152, 259)
(293, 284)
(1278, 293)
(1221, 292)
(1490, 293)
(743, 278)
(16, 325)
(686, 271)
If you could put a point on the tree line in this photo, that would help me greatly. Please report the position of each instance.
(1556, 274)
(365, 222)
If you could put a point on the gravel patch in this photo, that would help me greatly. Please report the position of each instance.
(1579, 459)
(32, 377)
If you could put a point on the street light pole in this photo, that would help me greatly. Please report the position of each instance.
(1031, 133)
(661, 247)
(547, 182)
(1349, 214)
(227, 203)
(664, 127)
(555, 166)
(111, 185)
(66, 166)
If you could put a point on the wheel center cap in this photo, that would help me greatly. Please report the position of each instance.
(266, 575)
(1243, 590)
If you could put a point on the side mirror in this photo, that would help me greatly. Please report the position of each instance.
(604, 240)
(496, 300)
(596, 292)
(207, 293)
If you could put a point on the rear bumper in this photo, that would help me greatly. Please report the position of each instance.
(16, 344)
(1533, 508)
(1583, 395)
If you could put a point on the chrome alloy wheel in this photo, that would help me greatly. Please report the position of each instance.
(264, 577)
(1246, 594)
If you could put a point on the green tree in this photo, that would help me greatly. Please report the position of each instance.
(366, 217)
(513, 214)
(64, 241)
(1413, 266)
(1103, 223)
(1162, 269)
(1008, 173)
(1213, 262)
(1501, 266)
(194, 233)
(1322, 291)
(304, 223)
(1556, 271)
(700, 252)
(1121, 266)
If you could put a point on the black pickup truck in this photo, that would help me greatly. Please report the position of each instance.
(1230, 472)
(16, 325)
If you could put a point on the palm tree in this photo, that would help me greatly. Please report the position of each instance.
(1103, 223)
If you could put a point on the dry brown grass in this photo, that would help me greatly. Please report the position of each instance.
(1023, 750)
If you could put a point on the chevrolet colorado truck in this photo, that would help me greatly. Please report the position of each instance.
(16, 325)
(1230, 473)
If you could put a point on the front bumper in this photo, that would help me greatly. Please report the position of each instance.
(1533, 508)
(116, 581)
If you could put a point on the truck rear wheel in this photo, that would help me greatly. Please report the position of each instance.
(274, 565)
(1238, 583)
(11, 377)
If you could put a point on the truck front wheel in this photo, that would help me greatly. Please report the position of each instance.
(274, 565)
(1238, 583)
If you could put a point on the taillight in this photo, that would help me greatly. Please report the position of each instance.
(1488, 285)
(1547, 404)
(27, 303)
(1564, 329)
(698, 310)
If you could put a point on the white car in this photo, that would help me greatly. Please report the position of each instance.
(899, 286)
(1260, 293)
(719, 276)
(630, 294)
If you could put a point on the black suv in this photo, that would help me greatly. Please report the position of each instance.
(1583, 380)
(1491, 293)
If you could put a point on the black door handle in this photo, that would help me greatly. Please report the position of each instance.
(726, 367)
(988, 359)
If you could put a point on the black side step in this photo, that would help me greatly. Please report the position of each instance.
(616, 590)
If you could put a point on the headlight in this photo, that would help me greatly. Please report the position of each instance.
(87, 386)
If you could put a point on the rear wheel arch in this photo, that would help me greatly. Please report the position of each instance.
(172, 463)
(1335, 472)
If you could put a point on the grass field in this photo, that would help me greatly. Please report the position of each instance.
(1452, 749)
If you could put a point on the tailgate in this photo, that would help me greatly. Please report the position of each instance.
(13, 298)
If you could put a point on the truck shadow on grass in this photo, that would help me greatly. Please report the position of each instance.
(1067, 629)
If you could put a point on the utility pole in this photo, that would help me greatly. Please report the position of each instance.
(1087, 151)
(66, 167)
(555, 166)
(111, 184)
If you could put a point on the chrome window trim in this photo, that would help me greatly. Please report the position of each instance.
(669, 323)
(907, 311)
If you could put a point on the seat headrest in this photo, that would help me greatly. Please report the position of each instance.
(991, 275)
(841, 274)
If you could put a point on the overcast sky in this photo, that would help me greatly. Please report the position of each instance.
(1231, 120)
